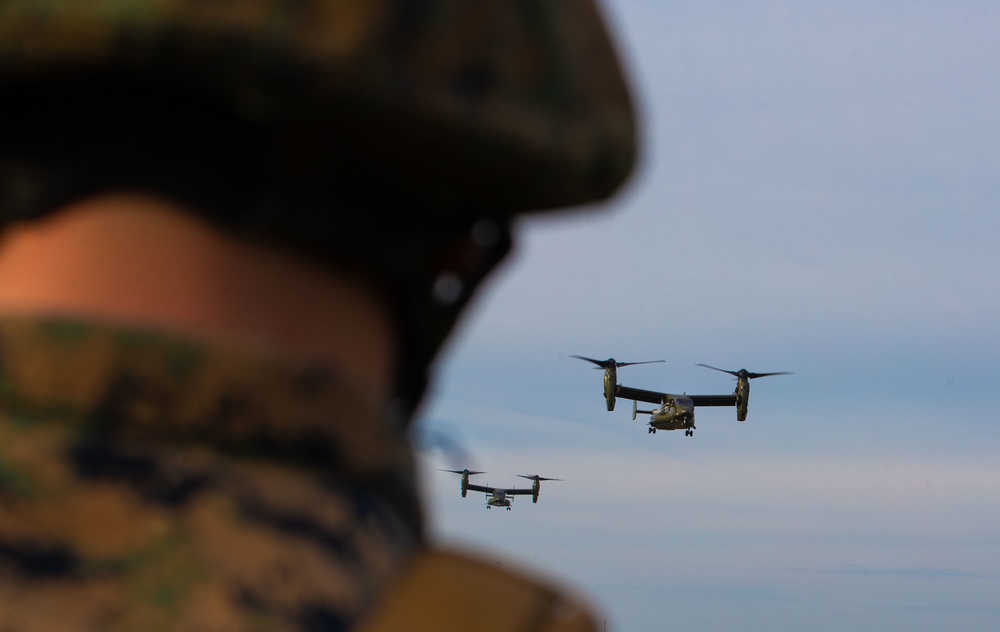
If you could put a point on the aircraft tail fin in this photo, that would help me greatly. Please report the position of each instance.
(636, 411)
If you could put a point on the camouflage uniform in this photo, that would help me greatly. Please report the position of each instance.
(147, 482)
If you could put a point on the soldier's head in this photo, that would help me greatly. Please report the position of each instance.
(393, 139)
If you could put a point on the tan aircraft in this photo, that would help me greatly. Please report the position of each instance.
(674, 412)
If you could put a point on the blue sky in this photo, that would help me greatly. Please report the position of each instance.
(819, 192)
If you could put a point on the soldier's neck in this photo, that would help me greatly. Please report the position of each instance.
(142, 261)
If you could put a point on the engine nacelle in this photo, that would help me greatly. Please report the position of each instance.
(465, 484)
(742, 398)
(610, 385)
(535, 488)
(742, 392)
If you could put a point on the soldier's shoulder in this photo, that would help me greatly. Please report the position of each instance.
(447, 590)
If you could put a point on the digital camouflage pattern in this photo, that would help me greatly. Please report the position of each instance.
(151, 483)
(498, 105)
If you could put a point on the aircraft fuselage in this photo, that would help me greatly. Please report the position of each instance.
(498, 499)
(676, 413)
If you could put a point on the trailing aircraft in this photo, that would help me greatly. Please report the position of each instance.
(502, 496)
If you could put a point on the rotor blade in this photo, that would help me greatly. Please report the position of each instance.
(756, 375)
(536, 477)
(745, 373)
(603, 364)
(736, 373)
(469, 472)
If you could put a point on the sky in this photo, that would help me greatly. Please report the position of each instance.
(818, 192)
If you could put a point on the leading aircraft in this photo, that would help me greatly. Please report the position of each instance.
(501, 496)
(674, 412)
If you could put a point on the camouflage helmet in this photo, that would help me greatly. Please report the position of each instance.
(399, 137)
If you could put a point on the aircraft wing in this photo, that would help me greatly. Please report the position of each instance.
(481, 488)
(656, 397)
(510, 492)
(640, 395)
(713, 400)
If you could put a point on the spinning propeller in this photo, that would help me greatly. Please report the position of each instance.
(742, 393)
(605, 364)
(465, 478)
(537, 485)
(743, 374)
(610, 367)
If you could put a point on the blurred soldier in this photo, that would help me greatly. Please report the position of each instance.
(235, 234)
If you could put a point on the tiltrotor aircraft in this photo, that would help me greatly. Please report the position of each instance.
(501, 496)
(674, 412)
